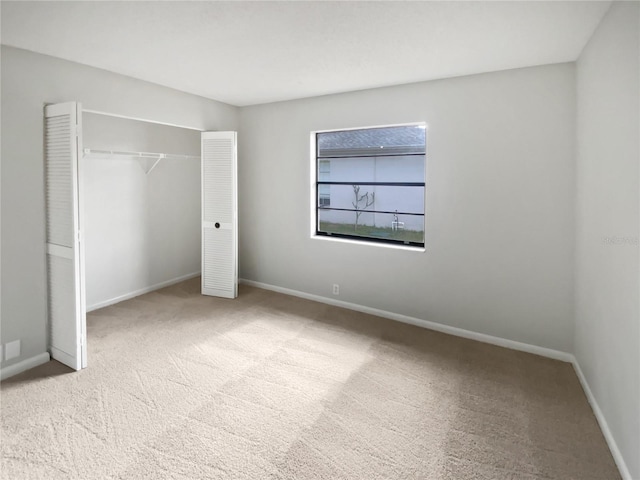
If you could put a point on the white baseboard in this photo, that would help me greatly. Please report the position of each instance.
(25, 364)
(604, 426)
(481, 337)
(142, 291)
(438, 327)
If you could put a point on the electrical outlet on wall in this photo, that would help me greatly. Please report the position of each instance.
(336, 289)
(12, 350)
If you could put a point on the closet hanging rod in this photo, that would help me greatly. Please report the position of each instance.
(90, 151)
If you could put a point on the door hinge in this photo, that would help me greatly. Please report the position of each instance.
(78, 130)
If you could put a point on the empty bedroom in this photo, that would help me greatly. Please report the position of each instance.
(320, 240)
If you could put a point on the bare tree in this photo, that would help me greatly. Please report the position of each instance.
(361, 202)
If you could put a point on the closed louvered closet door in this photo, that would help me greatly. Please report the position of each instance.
(219, 215)
(64, 251)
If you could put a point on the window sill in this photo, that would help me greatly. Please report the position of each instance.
(364, 243)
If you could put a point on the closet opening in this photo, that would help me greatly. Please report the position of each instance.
(141, 207)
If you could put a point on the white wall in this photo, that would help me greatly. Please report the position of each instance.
(607, 332)
(500, 203)
(28, 81)
(140, 229)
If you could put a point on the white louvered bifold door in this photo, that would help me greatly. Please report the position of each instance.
(219, 215)
(65, 259)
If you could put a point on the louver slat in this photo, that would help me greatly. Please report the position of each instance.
(58, 171)
(218, 180)
(218, 267)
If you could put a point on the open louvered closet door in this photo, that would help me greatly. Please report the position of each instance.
(64, 249)
(219, 214)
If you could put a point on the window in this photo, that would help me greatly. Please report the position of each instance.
(370, 184)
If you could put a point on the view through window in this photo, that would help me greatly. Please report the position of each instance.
(370, 184)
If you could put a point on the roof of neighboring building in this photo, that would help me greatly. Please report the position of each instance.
(394, 140)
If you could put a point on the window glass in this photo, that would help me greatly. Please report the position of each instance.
(370, 184)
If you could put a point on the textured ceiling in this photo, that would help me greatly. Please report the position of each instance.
(246, 53)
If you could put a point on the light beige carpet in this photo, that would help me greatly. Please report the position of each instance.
(274, 387)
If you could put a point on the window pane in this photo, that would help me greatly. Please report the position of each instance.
(380, 198)
(403, 168)
(393, 140)
(378, 226)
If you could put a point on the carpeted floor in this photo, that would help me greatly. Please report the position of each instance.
(274, 387)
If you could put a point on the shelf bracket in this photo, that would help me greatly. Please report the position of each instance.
(155, 163)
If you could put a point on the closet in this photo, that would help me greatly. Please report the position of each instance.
(132, 206)
(142, 206)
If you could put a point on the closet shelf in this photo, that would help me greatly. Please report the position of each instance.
(90, 151)
(140, 156)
